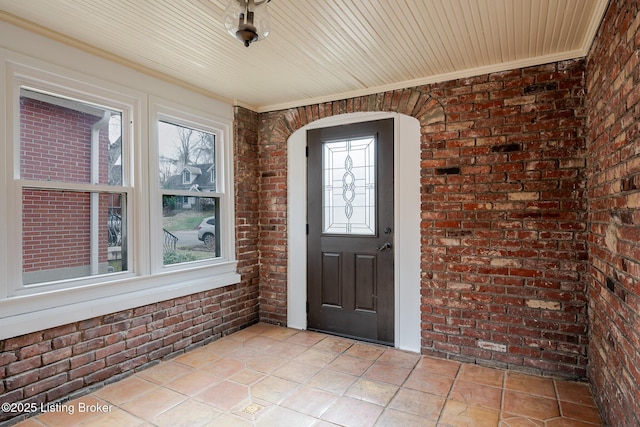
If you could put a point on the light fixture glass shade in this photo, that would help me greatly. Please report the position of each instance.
(247, 20)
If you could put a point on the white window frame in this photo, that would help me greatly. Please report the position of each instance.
(58, 86)
(185, 173)
(25, 309)
(171, 112)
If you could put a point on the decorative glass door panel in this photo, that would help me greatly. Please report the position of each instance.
(349, 186)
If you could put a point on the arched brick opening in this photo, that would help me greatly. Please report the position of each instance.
(274, 131)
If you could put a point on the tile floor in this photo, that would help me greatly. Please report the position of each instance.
(273, 376)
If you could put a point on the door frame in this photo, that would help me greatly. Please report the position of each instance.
(406, 218)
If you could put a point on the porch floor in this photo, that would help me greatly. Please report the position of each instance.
(274, 376)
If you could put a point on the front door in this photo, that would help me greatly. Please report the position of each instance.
(350, 287)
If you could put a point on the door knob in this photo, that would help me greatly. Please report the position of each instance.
(384, 247)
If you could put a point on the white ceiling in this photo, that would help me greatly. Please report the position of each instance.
(318, 50)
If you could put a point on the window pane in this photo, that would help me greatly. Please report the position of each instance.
(187, 158)
(60, 241)
(68, 141)
(349, 186)
(190, 228)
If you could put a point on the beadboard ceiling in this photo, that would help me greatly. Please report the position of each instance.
(318, 50)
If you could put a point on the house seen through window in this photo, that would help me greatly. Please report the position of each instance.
(190, 196)
(74, 218)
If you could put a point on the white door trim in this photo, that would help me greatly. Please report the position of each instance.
(407, 224)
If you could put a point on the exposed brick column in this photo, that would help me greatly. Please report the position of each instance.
(247, 186)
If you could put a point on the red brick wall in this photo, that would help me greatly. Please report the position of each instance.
(55, 143)
(51, 364)
(503, 214)
(56, 230)
(613, 167)
(504, 229)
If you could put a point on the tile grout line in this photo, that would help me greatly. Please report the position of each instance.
(502, 398)
(362, 376)
(399, 387)
(453, 384)
(555, 390)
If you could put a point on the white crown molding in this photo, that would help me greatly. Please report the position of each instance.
(461, 74)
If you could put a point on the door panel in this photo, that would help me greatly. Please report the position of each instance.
(350, 214)
(331, 279)
(365, 282)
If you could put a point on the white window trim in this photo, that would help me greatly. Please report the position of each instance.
(56, 304)
(40, 79)
(171, 112)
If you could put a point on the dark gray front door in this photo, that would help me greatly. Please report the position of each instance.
(350, 287)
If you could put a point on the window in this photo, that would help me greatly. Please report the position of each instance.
(87, 230)
(186, 177)
(190, 206)
(74, 217)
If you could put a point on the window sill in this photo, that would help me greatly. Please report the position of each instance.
(26, 314)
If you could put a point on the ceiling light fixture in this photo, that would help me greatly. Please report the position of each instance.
(247, 20)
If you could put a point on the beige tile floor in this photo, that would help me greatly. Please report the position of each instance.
(273, 376)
